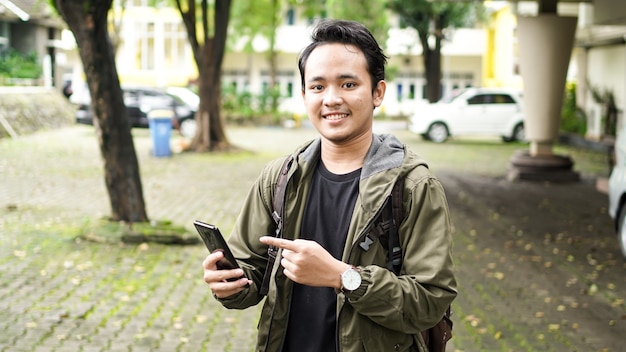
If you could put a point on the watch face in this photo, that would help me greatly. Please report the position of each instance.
(351, 280)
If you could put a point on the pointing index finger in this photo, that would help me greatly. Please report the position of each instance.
(277, 242)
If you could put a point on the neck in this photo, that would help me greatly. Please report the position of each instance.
(345, 158)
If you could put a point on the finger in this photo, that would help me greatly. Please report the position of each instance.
(278, 242)
(225, 275)
(225, 289)
(287, 253)
(212, 276)
(210, 262)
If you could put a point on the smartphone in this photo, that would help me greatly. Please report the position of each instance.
(214, 242)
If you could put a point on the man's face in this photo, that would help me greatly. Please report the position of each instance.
(338, 93)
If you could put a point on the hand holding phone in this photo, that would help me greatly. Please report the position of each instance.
(214, 241)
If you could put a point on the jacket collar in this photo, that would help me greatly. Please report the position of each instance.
(386, 152)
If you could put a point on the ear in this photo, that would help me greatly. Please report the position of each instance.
(379, 93)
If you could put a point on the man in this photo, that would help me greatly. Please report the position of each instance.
(326, 292)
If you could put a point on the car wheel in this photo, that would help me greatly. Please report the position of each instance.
(519, 133)
(621, 230)
(438, 132)
(188, 127)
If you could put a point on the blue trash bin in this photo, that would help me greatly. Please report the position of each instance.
(160, 123)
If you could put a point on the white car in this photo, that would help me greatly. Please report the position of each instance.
(472, 111)
(617, 190)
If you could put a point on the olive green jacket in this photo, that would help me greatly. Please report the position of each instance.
(387, 312)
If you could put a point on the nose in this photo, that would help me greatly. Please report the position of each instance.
(332, 97)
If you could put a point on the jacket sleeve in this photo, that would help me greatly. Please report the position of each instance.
(417, 298)
(254, 221)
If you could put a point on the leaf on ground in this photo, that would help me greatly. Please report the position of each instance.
(554, 327)
(539, 314)
(201, 318)
(473, 320)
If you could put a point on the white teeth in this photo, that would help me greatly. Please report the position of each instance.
(335, 117)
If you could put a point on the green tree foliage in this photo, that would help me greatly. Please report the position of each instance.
(14, 64)
(260, 18)
(372, 13)
(606, 98)
(433, 21)
(573, 119)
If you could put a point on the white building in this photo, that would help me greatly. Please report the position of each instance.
(155, 51)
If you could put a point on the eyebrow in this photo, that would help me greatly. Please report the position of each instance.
(340, 77)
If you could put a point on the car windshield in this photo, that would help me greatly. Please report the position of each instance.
(450, 97)
(185, 95)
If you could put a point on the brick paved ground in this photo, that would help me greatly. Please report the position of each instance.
(527, 283)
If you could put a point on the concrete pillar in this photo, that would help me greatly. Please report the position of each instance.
(545, 45)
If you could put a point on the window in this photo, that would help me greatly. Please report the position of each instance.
(503, 99)
(479, 99)
(491, 99)
(175, 41)
(291, 16)
(4, 36)
(146, 52)
(284, 81)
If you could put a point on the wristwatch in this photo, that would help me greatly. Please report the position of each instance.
(350, 280)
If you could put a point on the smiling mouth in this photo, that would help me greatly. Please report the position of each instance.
(335, 117)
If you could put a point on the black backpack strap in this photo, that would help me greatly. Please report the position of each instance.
(386, 227)
(397, 214)
(278, 204)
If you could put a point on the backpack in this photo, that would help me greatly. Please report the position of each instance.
(385, 228)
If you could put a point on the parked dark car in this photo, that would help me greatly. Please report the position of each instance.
(141, 100)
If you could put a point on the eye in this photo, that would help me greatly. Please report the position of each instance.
(317, 87)
(349, 85)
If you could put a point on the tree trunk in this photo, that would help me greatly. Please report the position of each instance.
(432, 68)
(88, 22)
(210, 134)
(272, 58)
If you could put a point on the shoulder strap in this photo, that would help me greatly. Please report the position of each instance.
(397, 213)
(278, 204)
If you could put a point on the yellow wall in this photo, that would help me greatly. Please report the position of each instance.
(501, 54)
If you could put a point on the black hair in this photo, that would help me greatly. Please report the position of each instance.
(349, 33)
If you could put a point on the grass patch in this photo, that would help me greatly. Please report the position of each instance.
(163, 232)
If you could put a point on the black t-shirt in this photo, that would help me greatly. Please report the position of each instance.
(327, 216)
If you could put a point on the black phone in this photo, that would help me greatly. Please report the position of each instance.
(214, 241)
